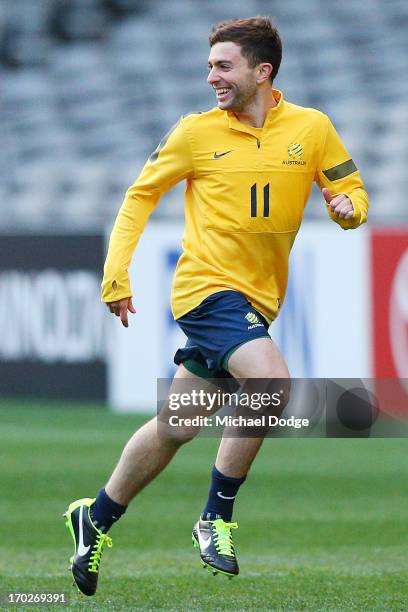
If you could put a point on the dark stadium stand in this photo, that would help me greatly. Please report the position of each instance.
(89, 87)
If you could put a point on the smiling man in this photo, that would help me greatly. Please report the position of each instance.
(249, 166)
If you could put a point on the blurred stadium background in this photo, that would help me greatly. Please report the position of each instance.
(88, 88)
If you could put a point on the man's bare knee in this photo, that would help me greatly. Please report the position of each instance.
(278, 389)
(176, 434)
(172, 417)
(264, 398)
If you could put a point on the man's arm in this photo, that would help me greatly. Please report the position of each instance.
(170, 163)
(341, 183)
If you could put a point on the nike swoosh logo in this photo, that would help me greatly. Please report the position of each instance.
(218, 155)
(224, 496)
(204, 542)
(82, 550)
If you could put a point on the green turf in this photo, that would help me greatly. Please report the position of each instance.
(323, 523)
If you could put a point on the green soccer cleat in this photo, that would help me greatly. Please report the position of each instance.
(89, 542)
(214, 540)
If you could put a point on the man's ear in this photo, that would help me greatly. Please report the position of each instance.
(264, 72)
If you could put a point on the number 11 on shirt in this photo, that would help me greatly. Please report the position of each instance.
(254, 200)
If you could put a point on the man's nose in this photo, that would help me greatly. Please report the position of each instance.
(212, 77)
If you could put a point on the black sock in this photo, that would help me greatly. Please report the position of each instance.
(105, 511)
(221, 496)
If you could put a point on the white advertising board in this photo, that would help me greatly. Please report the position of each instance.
(323, 329)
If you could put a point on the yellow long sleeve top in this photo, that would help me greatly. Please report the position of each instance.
(246, 189)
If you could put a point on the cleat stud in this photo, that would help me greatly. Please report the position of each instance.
(214, 573)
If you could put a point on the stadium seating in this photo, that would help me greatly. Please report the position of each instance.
(90, 86)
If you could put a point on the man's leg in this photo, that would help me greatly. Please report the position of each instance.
(145, 455)
(256, 359)
(259, 359)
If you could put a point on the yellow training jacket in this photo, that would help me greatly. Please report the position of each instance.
(246, 189)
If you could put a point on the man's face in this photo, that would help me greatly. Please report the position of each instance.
(232, 79)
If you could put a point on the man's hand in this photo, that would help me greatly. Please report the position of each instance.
(121, 308)
(341, 205)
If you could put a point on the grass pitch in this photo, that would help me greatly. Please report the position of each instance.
(323, 523)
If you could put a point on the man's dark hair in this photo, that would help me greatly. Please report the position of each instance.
(258, 38)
